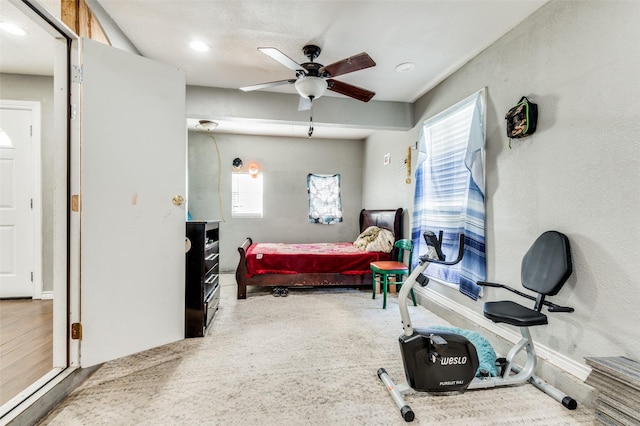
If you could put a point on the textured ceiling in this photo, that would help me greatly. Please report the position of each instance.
(438, 36)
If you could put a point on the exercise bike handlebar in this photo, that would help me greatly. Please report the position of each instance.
(551, 307)
(424, 262)
(431, 239)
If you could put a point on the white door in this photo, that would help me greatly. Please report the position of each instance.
(133, 145)
(16, 208)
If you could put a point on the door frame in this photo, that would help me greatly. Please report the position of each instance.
(67, 219)
(36, 166)
(65, 130)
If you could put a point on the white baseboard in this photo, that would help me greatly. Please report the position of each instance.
(576, 369)
(46, 295)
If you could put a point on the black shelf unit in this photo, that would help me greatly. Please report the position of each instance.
(202, 278)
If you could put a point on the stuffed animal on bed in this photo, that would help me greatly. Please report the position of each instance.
(375, 239)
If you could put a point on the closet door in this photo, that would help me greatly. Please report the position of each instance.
(132, 219)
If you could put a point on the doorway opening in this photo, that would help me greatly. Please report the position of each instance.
(33, 201)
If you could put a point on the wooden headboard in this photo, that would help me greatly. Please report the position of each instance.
(388, 219)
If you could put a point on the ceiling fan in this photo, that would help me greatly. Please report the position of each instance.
(313, 79)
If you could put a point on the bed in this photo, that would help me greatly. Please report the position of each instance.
(315, 264)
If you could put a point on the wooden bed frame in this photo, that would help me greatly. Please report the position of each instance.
(388, 219)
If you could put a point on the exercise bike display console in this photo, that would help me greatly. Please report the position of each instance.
(441, 361)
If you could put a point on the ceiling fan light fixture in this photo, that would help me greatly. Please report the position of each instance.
(311, 87)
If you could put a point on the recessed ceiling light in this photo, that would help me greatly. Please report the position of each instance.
(199, 46)
(405, 67)
(12, 28)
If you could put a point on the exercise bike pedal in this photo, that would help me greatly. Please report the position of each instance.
(423, 280)
(501, 363)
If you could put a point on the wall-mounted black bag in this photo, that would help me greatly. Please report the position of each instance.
(522, 119)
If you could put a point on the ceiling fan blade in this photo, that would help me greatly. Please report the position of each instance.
(282, 58)
(350, 90)
(354, 63)
(267, 85)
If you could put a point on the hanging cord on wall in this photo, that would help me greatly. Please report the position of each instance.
(219, 174)
(407, 161)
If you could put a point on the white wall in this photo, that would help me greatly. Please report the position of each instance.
(214, 103)
(578, 174)
(385, 185)
(285, 163)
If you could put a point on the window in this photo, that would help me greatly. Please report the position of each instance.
(246, 195)
(449, 193)
(325, 205)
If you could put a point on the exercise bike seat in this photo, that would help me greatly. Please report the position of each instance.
(513, 313)
(545, 268)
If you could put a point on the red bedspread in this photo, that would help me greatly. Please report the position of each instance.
(280, 258)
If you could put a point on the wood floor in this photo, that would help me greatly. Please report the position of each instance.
(26, 344)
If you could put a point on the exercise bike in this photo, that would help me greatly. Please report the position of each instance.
(440, 361)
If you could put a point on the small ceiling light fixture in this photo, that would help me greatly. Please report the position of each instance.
(12, 29)
(405, 67)
(199, 46)
(206, 125)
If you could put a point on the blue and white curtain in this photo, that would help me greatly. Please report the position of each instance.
(325, 204)
(449, 194)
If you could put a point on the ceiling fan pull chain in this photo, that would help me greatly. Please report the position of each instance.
(311, 117)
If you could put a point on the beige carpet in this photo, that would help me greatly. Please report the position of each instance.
(307, 359)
